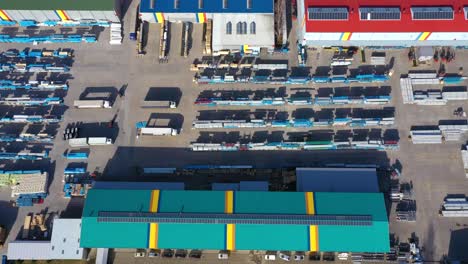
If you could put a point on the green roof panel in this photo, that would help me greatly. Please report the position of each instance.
(191, 236)
(102, 5)
(373, 238)
(191, 202)
(269, 203)
(272, 237)
(113, 235)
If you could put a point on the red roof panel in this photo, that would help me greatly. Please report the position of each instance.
(406, 24)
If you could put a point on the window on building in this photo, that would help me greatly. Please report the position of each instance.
(249, 4)
(328, 13)
(380, 13)
(152, 3)
(200, 4)
(432, 13)
(466, 12)
(77, 251)
(239, 28)
(225, 3)
(176, 4)
(228, 28)
(244, 28)
(253, 28)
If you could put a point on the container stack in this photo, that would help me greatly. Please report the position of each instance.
(455, 207)
(426, 136)
(28, 187)
(115, 34)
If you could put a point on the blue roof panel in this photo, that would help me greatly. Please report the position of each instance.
(209, 6)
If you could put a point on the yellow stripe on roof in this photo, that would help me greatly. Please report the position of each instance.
(346, 36)
(231, 237)
(153, 236)
(424, 36)
(201, 17)
(309, 201)
(154, 203)
(159, 17)
(4, 16)
(313, 235)
(63, 16)
(229, 202)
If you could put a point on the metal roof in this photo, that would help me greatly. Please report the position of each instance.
(405, 24)
(209, 6)
(29, 250)
(103, 5)
(139, 185)
(65, 241)
(336, 180)
(233, 207)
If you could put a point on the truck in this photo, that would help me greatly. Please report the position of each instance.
(91, 141)
(91, 104)
(158, 131)
(158, 104)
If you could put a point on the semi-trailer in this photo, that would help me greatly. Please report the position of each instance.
(158, 104)
(91, 141)
(82, 104)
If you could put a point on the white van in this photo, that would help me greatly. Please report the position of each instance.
(270, 257)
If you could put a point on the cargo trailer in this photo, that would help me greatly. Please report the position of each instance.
(91, 104)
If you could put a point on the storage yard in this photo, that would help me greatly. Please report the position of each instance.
(103, 112)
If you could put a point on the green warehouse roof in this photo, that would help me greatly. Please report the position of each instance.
(194, 220)
(103, 5)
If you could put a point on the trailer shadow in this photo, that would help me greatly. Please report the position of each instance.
(100, 93)
(102, 129)
(164, 94)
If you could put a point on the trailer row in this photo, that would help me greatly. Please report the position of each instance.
(26, 137)
(433, 96)
(317, 145)
(87, 38)
(24, 155)
(270, 78)
(421, 135)
(38, 67)
(455, 207)
(37, 53)
(52, 23)
(33, 85)
(48, 119)
(319, 101)
(296, 123)
(29, 101)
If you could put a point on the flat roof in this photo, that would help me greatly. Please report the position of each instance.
(103, 5)
(139, 185)
(405, 24)
(336, 180)
(209, 6)
(97, 233)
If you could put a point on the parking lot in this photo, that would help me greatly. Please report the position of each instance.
(434, 170)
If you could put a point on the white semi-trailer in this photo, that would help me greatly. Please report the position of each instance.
(92, 104)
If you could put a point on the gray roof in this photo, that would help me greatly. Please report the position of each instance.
(139, 185)
(29, 250)
(65, 242)
(263, 37)
(336, 180)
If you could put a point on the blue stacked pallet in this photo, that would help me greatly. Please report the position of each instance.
(24, 200)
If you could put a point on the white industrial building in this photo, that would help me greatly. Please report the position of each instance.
(236, 24)
(64, 244)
